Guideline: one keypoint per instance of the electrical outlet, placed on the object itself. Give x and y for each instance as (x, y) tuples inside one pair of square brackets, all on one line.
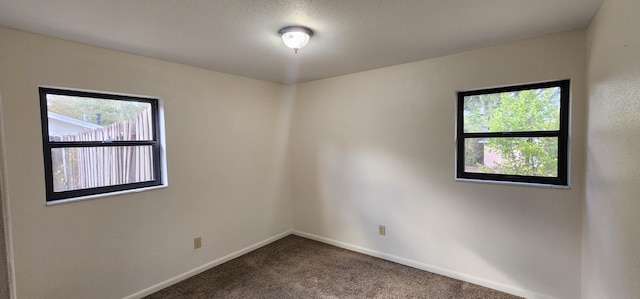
[(197, 243), (382, 230)]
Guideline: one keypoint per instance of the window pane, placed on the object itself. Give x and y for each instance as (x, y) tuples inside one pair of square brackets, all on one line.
[(530, 156), (515, 111), (74, 118), (89, 167)]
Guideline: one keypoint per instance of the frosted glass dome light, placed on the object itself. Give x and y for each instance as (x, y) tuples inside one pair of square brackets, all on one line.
[(295, 37)]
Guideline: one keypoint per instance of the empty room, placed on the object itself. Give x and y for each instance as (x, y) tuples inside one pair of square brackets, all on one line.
[(320, 149)]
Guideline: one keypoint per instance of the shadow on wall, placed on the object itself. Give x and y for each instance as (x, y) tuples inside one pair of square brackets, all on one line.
[(4, 270), (462, 227), (279, 173)]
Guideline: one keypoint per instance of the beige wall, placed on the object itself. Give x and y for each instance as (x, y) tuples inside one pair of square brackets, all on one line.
[(225, 156), (377, 147), (612, 211)]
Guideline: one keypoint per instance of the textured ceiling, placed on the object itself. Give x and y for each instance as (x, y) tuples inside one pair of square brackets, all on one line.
[(241, 36)]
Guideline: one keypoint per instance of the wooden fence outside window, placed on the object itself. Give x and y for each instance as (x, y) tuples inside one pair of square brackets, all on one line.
[(89, 167)]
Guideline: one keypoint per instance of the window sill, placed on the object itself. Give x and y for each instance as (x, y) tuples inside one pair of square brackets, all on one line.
[(96, 196), (514, 183)]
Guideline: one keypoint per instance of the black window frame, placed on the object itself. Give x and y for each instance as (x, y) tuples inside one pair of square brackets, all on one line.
[(562, 179), (48, 145)]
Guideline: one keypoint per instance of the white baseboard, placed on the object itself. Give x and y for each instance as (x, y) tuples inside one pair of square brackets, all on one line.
[(205, 267), (411, 263), (431, 268)]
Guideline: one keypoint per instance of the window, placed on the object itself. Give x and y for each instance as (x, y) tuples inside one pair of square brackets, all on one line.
[(514, 134), (98, 143)]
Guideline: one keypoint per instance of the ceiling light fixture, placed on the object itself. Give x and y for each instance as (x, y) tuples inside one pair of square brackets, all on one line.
[(295, 37)]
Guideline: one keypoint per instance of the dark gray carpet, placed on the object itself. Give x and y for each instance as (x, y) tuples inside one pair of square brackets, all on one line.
[(295, 267)]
